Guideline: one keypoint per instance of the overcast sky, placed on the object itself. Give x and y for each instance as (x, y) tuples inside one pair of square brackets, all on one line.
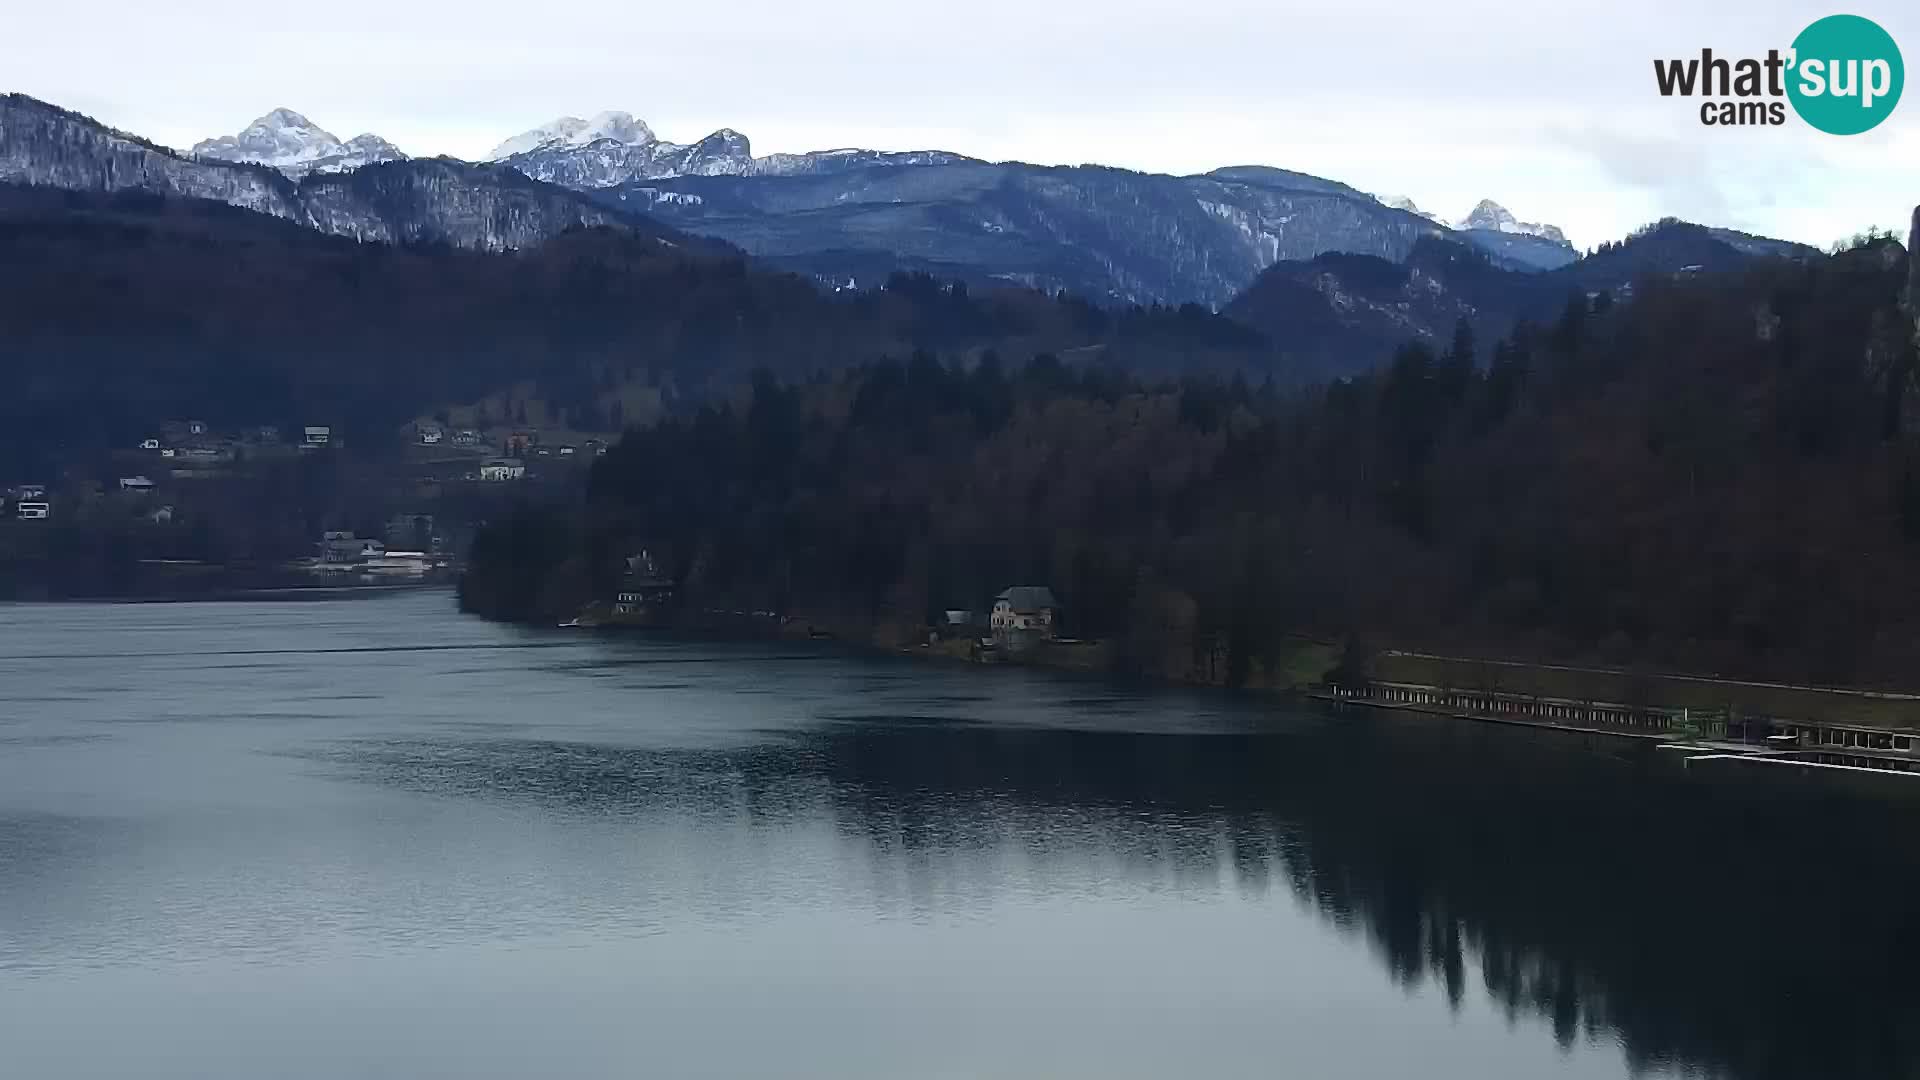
[(1547, 107)]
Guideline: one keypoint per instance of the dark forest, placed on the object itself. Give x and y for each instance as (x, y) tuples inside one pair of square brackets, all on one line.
[(1721, 473)]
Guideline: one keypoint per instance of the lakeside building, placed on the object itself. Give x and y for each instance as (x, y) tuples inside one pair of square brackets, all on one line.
[(1023, 617), (343, 547), (644, 588)]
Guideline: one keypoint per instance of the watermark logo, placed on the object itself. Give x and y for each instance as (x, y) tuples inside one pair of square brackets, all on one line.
[(1849, 75), (1843, 75)]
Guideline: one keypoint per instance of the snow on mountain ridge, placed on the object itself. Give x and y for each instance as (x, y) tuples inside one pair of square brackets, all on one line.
[(607, 149), (614, 148), (288, 141), (1401, 202), (435, 200), (611, 149), (370, 143), (571, 131), (1490, 215)]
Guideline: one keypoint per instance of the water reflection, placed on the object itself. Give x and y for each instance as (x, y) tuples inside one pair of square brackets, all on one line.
[(1707, 926), (175, 816)]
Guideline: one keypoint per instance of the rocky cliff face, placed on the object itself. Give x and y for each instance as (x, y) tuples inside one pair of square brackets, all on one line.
[(606, 162), (1913, 274), (45, 145), (445, 201), (436, 200)]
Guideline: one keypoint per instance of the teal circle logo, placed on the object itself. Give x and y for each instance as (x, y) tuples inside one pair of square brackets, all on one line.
[(1846, 75)]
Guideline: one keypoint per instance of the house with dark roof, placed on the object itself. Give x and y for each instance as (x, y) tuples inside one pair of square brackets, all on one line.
[(645, 589), (1023, 616)]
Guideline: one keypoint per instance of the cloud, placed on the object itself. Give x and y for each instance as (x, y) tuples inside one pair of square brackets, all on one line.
[(1679, 174)]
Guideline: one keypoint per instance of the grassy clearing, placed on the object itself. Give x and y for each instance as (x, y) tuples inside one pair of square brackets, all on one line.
[(1301, 662)]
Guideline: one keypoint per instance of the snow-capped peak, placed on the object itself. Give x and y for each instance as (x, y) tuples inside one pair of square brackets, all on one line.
[(295, 145), (372, 145), (571, 131), (281, 137), (1401, 202), (1492, 216), (285, 119)]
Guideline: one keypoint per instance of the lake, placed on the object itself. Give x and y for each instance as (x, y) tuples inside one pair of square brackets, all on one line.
[(376, 838)]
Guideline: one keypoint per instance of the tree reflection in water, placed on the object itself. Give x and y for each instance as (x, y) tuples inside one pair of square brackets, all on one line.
[(1719, 926)]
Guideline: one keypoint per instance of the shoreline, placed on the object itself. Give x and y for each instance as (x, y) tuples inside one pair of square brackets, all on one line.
[(1827, 745), (1808, 746), (1644, 733), (241, 593), (1824, 746)]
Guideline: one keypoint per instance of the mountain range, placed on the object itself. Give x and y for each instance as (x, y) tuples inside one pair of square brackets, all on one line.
[(133, 291), (1329, 273), (1486, 216), (432, 200), (614, 148), (851, 216)]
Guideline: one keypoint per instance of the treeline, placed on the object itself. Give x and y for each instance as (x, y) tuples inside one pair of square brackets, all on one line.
[(1721, 475), (124, 311)]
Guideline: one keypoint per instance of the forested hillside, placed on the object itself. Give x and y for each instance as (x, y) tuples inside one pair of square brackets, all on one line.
[(1722, 474), (124, 311), (1340, 313)]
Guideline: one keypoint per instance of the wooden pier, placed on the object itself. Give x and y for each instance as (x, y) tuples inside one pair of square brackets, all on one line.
[(1587, 717), (1711, 739)]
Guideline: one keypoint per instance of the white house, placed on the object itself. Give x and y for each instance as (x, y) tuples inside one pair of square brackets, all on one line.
[(1027, 609), (1022, 618), (139, 485), (31, 510), (149, 444), (503, 469), (316, 436)]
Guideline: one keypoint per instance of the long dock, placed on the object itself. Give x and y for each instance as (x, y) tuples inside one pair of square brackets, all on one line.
[(1709, 739), (1438, 708)]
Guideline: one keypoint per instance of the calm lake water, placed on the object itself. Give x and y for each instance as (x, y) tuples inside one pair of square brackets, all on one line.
[(375, 838)]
